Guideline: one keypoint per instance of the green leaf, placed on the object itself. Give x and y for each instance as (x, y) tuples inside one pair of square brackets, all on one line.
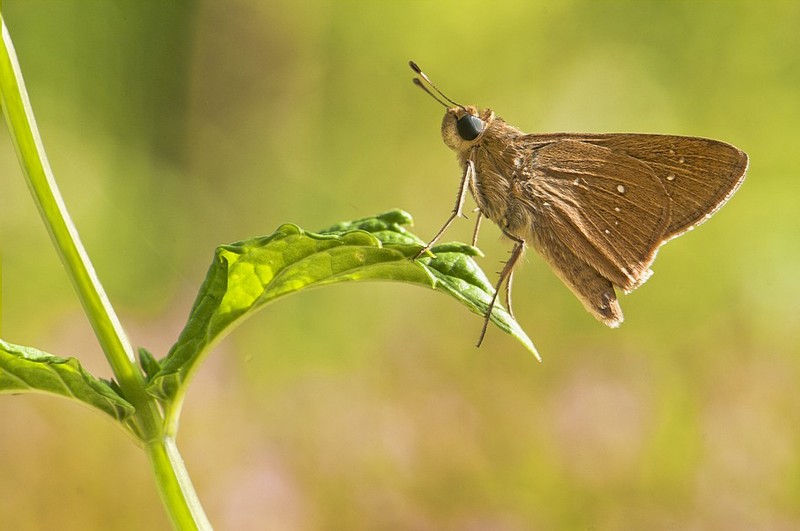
[(249, 274), (26, 369)]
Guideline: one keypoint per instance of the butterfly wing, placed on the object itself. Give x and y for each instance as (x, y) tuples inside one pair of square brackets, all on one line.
[(699, 174), (591, 287), (608, 208)]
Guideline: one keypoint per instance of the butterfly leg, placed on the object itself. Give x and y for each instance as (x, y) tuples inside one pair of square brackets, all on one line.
[(505, 275), (458, 210), (508, 293), (477, 227)]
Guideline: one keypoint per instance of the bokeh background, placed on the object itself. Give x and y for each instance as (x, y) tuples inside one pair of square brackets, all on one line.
[(174, 127)]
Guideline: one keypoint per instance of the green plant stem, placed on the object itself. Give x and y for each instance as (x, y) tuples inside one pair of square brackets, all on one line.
[(175, 486), (42, 185), (173, 481)]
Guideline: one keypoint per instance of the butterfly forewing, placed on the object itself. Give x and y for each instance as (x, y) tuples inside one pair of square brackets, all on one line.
[(699, 174), (609, 208)]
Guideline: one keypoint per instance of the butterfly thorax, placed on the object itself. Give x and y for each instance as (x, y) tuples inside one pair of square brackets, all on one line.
[(500, 163)]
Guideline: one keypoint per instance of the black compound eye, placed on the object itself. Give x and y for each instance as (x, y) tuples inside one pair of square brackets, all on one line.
[(469, 127)]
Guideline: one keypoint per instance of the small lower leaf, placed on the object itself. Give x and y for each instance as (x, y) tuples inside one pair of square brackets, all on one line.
[(148, 362), (26, 369), (249, 274)]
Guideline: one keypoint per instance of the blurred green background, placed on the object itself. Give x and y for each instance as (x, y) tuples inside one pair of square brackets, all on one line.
[(174, 127)]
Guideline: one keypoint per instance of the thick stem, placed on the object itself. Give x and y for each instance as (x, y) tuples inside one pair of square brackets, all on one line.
[(175, 486), (28, 144), (176, 490)]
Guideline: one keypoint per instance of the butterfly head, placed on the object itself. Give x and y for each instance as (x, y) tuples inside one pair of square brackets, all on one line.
[(462, 126)]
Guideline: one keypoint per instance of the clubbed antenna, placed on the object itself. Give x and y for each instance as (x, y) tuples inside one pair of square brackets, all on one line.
[(415, 67)]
